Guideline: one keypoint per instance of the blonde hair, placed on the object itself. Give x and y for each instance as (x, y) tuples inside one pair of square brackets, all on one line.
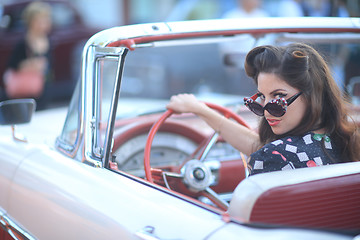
[(34, 9)]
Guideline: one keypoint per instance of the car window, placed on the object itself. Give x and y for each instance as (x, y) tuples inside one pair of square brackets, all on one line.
[(106, 73), (70, 131)]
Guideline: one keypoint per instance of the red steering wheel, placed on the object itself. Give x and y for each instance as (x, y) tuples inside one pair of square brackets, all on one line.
[(195, 174)]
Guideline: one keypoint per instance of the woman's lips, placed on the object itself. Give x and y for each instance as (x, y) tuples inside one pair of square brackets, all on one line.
[(273, 122)]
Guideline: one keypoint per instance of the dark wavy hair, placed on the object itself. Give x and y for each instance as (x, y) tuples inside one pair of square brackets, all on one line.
[(303, 68)]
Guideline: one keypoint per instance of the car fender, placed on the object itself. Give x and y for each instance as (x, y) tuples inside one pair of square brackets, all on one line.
[(77, 201)]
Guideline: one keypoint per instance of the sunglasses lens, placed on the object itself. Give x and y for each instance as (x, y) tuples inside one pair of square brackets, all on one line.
[(275, 109), (256, 108)]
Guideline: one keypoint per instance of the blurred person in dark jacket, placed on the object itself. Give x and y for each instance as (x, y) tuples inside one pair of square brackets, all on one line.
[(32, 54)]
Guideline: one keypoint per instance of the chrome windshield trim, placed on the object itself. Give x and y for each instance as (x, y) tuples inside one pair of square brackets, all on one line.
[(13, 229), (90, 101), (113, 108), (223, 27), (88, 82)]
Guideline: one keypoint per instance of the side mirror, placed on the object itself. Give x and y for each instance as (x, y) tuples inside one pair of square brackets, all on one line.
[(16, 111)]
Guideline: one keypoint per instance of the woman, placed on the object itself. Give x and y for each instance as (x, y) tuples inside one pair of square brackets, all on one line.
[(32, 53), (304, 118)]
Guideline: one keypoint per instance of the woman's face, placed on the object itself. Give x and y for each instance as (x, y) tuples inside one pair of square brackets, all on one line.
[(271, 87), (41, 24)]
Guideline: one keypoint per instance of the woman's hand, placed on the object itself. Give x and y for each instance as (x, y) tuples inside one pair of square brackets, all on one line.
[(185, 103)]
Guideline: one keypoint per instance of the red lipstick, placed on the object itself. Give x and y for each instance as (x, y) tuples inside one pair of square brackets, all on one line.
[(273, 122)]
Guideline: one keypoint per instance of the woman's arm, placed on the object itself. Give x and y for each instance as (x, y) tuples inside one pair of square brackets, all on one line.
[(240, 137)]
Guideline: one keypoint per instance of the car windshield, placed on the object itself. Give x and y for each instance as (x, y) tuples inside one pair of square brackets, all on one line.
[(212, 69), (207, 69)]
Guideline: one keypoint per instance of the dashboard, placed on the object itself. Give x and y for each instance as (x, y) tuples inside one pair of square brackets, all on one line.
[(168, 149)]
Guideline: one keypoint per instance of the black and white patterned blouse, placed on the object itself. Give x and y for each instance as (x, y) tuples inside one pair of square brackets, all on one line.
[(294, 152)]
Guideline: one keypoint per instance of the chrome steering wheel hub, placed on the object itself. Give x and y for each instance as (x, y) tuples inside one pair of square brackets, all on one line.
[(196, 175)]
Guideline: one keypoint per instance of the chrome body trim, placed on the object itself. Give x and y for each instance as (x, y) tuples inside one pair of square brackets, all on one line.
[(13, 229), (113, 107)]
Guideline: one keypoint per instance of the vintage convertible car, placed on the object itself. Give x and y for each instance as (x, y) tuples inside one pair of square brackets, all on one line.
[(115, 166)]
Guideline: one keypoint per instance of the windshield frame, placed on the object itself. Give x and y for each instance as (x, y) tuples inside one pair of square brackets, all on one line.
[(115, 43)]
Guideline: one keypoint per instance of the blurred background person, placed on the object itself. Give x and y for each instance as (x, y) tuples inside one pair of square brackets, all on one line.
[(291, 8), (339, 9), (326, 8), (246, 9), (30, 62)]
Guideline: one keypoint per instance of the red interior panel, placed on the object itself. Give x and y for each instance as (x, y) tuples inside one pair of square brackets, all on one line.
[(328, 203)]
